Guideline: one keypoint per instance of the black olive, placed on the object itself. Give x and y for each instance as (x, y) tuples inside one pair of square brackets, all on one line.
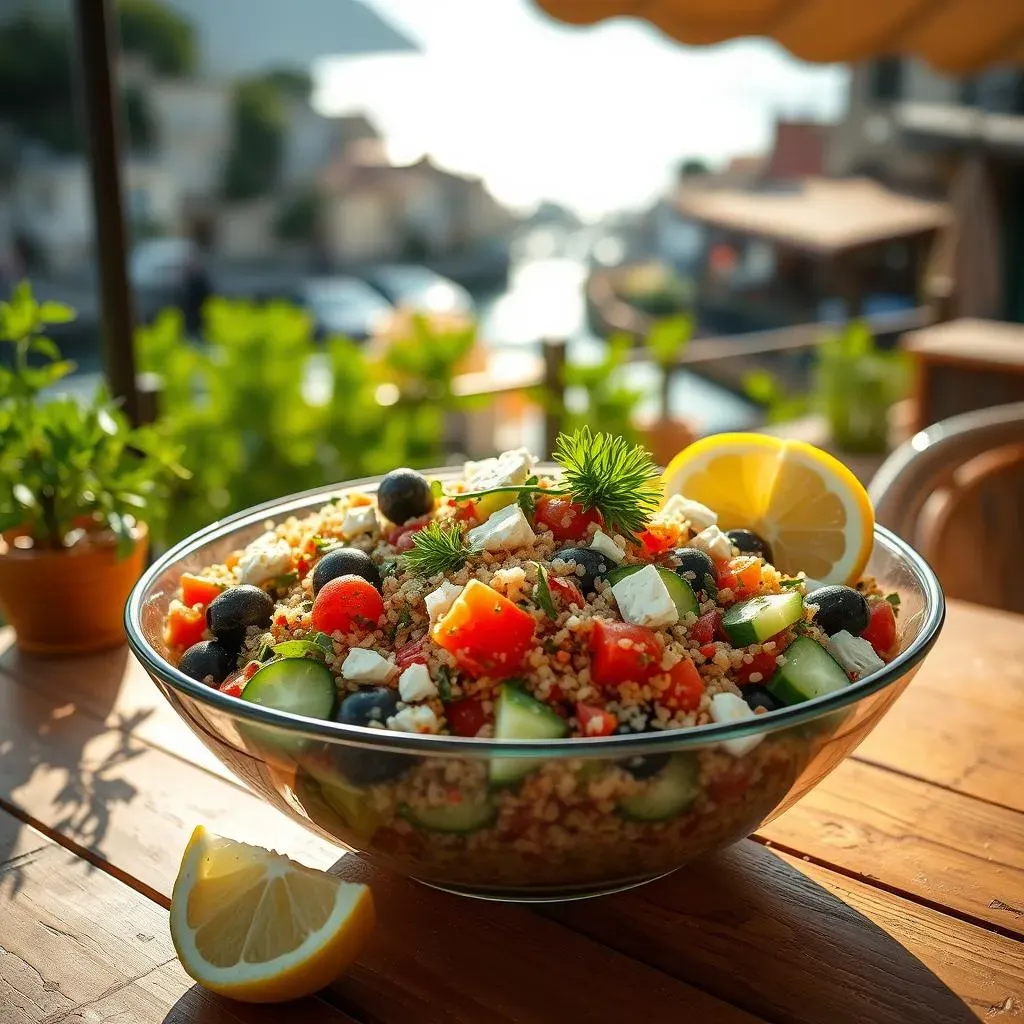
[(344, 562), (363, 765), (207, 658), (595, 566), (695, 566), (231, 613), (840, 608), (643, 766), (746, 542), (404, 494), (761, 697)]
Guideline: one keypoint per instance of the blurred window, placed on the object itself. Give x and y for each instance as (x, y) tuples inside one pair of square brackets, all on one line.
[(886, 79)]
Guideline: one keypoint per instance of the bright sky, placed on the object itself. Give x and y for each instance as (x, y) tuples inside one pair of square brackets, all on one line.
[(594, 118)]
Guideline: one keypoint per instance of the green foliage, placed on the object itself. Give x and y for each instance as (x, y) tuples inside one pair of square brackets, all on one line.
[(139, 118), (666, 341), (290, 82), (692, 165), (764, 389), (254, 163), (158, 33), (609, 404), (67, 465), (298, 217)]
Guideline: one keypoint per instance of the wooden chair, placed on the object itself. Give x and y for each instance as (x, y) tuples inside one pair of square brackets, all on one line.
[(956, 492)]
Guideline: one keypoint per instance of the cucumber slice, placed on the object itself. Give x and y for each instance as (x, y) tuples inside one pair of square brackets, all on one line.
[(759, 618), (809, 671), (665, 795), (462, 817), (518, 716), (298, 685), (679, 590)]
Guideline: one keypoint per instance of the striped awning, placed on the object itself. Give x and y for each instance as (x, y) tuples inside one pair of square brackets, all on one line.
[(956, 36)]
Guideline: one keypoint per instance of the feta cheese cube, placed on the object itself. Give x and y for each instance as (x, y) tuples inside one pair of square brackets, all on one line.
[(712, 542), (506, 530), (439, 601), (699, 516), (360, 520), (854, 653), (511, 467), (415, 684), (603, 543), (266, 557), (727, 707), (365, 666), (644, 600), (418, 718)]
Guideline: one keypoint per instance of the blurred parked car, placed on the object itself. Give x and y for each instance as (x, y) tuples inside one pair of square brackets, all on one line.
[(419, 288), (345, 305)]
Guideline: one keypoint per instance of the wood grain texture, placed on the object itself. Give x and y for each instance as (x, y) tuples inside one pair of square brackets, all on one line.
[(79, 947)]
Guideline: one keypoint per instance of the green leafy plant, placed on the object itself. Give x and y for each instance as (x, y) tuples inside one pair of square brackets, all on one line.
[(69, 469), (608, 403), (666, 342)]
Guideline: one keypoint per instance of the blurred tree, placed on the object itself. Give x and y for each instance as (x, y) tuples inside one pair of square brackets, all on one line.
[(254, 163), (290, 83), (164, 37), (298, 217), (139, 116), (692, 165)]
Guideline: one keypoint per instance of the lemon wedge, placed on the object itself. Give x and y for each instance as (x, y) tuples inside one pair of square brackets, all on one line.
[(811, 509), (255, 926)]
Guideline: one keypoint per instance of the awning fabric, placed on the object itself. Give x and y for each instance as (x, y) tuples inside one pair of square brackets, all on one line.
[(956, 36)]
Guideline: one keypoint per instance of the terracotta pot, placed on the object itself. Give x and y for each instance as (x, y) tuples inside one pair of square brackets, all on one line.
[(69, 602), (665, 438)]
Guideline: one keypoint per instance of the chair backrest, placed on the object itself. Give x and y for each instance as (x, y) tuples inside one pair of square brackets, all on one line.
[(956, 492)]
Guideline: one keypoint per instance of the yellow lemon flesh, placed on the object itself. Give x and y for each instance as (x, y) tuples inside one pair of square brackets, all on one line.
[(811, 509), (255, 926)]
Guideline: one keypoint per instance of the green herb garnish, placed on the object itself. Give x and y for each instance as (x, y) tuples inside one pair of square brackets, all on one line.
[(790, 584), (444, 684), (436, 549), (893, 599), (542, 593), (404, 618), (437, 489), (388, 568), (325, 544)]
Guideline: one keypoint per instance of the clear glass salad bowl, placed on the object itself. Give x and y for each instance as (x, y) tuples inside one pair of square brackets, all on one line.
[(578, 842)]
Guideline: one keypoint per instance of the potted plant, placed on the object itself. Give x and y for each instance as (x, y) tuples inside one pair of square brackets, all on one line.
[(76, 485)]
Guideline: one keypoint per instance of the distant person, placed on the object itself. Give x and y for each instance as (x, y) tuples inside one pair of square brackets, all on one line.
[(195, 289)]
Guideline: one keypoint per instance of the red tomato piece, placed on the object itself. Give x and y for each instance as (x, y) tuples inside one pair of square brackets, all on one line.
[(708, 650), (623, 652), (466, 717), (185, 626), (763, 663), (706, 628), (685, 687), (658, 538), (465, 511), (250, 670), (595, 721), (740, 575), (566, 590), (346, 602), (564, 518), (486, 632), (404, 540), (233, 685), (881, 628), (410, 654), (198, 590)]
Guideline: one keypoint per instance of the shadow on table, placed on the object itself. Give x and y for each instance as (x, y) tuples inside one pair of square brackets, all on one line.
[(43, 745), (197, 1006)]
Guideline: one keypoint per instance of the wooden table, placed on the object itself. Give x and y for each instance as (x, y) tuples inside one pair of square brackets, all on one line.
[(892, 893)]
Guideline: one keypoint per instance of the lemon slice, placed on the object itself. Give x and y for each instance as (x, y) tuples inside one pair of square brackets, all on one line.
[(809, 507), (256, 926)]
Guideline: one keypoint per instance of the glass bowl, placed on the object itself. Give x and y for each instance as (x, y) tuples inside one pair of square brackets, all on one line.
[(421, 804)]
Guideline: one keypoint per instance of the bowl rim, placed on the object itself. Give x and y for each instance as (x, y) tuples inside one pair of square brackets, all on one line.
[(627, 745)]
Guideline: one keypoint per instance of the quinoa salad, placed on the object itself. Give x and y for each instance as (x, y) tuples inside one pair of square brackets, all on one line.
[(514, 604)]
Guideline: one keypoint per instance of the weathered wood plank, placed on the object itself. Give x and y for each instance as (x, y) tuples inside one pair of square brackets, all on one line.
[(78, 947)]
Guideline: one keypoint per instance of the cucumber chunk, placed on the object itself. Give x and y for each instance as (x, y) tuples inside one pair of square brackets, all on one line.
[(665, 795), (679, 590), (758, 618), (462, 817), (809, 671), (518, 716), (300, 686)]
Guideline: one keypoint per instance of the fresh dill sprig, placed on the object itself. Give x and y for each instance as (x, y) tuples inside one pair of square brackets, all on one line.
[(436, 549), (607, 473)]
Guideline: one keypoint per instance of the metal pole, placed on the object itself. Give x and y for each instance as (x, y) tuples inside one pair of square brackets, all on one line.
[(97, 51)]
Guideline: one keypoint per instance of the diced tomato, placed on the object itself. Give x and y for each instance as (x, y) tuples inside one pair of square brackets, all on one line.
[(658, 538), (466, 717), (740, 575), (881, 629), (685, 687), (404, 540), (410, 654), (233, 685), (395, 533), (346, 602), (358, 500), (565, 590), (564, 518), (198, 590), (706, 628), (486, 632), (763, 663), (595, 721), (250, 670), (465, 511), (232, 560), (623, 652), (185, 626), (302, 567), (708, 650)]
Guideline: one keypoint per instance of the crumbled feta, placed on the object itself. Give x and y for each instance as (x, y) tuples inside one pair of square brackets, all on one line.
[(365, 666), (854, 653), (712, 542), (439, 601), (359, 520), (727, 707), (507, 529), (415, 684), (266, 557), (419, 718), (603, 543), (699, 516), (644, 600), (511, 467)]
